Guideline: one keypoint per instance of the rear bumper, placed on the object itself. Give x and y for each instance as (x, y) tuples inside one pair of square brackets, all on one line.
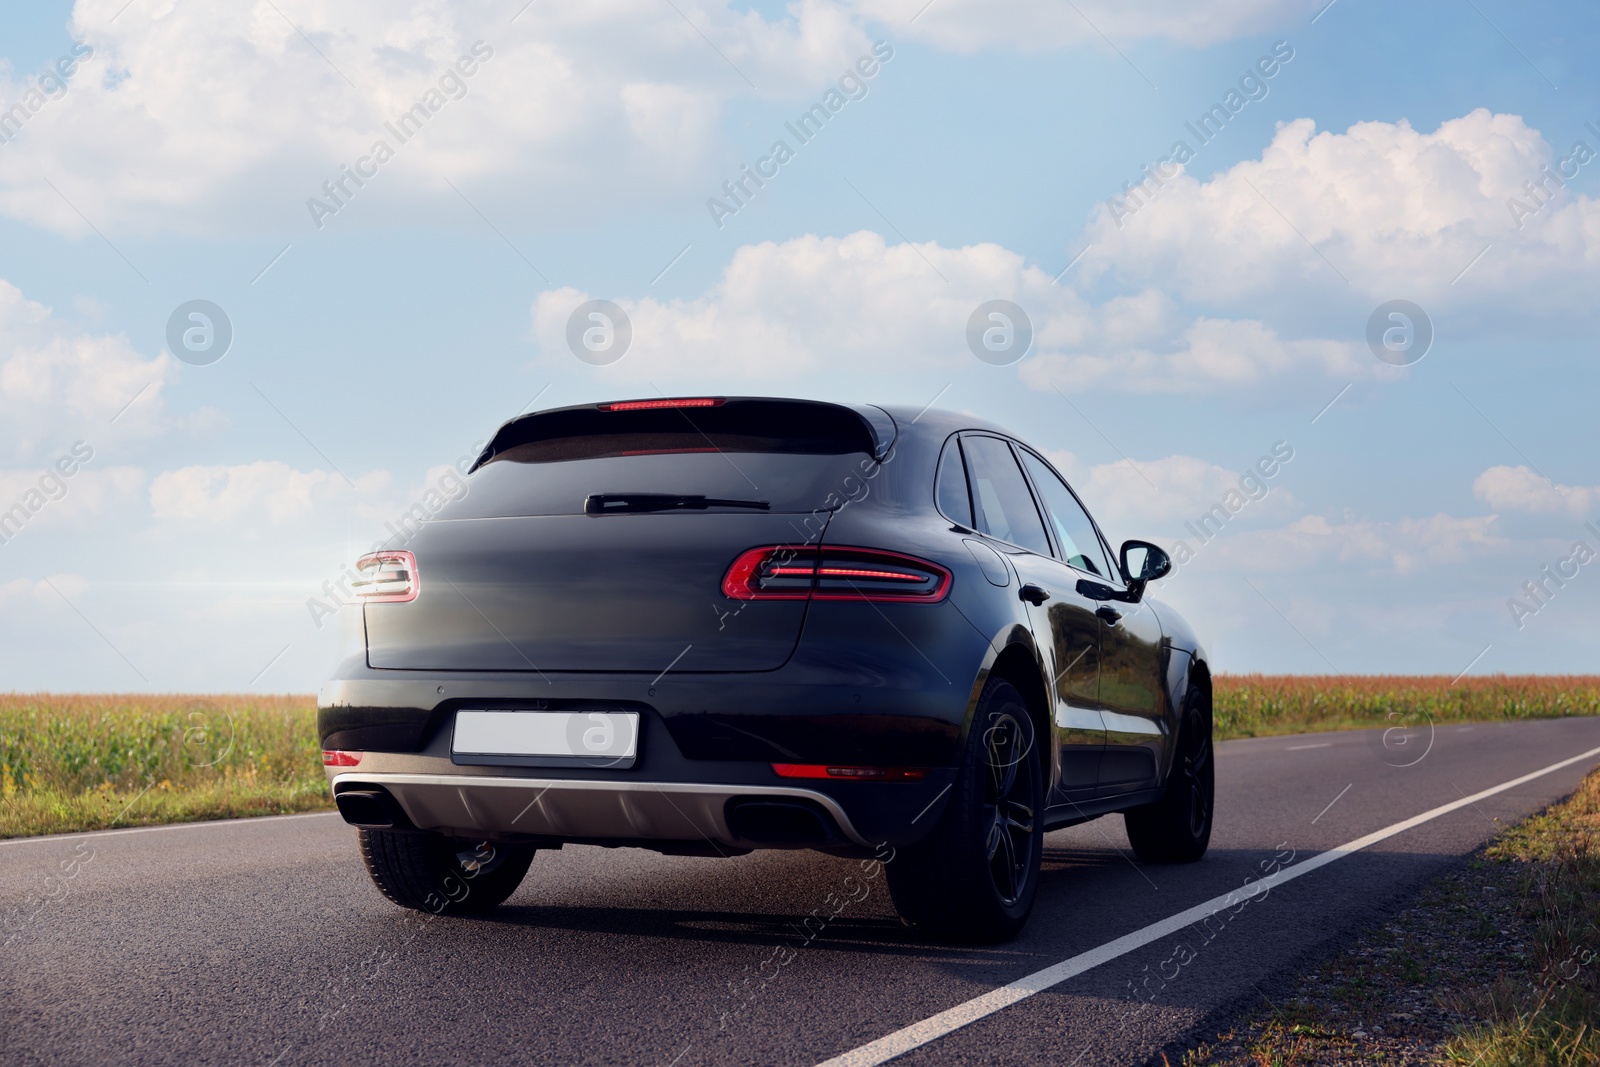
[(706, 745), (492, 806), (663, 798)]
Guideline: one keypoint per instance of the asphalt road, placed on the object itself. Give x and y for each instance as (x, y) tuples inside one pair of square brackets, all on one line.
[(262, 941)]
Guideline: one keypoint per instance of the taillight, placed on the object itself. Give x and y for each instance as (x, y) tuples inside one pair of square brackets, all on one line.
[(807, 572), (333, 757), (386, 578), (859, 774), (656, 405)]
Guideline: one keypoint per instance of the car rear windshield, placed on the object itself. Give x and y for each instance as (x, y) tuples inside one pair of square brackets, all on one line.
[(793, 456)]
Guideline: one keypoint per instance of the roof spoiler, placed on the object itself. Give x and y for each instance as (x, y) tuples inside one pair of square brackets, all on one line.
[(876, 426)]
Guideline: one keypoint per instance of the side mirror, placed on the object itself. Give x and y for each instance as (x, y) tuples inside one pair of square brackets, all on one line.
[(1141, 563)]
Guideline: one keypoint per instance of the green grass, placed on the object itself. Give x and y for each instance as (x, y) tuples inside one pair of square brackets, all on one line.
[(70, 763)]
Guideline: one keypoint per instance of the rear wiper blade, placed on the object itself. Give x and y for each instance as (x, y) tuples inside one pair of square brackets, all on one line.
[(617, 503)]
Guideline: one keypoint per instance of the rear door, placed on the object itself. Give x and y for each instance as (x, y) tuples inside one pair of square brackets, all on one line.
[(598, 539), (1132, 696), (1064, 623), (1131, 667)]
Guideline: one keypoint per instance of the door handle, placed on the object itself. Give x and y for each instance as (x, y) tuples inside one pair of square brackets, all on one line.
[(1110, 614), (1034, 594)]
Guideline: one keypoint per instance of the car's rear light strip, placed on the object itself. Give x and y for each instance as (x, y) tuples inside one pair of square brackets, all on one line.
[(807, 572), (849, 773), (656, 405), (387, 577), (848, 572), (334, 757)]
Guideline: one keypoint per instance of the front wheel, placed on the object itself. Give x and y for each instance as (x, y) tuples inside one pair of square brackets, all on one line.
[(433, 873), (1177, 828), (974, 878)]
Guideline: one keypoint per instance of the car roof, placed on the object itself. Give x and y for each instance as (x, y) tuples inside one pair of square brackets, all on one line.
[(928, 422)]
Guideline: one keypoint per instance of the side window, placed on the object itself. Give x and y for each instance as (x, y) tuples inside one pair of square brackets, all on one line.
[(1080, 546), (950, 487), (1001, 501)]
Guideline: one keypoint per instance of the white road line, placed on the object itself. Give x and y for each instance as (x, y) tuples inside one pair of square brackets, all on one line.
[(1301, 748), (170, 826), (931, 1029), (1336, 800)]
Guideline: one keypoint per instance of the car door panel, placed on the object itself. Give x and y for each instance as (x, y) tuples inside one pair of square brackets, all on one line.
[(1074, 665), (1064, 624), (1068, 635), (1132, 697), (1130, 693)]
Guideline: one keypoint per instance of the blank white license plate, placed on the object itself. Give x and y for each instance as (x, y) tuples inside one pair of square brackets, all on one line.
[(603, 738)]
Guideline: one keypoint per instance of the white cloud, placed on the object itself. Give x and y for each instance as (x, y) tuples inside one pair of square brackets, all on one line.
[(1521, 489), (215, 115), (810, 303), (1152, 499), (1395, 210), (227, 116), (1402, 546), (47, 497), (251, 493), (1164, 500), (858, 303), (55, 381), (1038, 25), (1207, 353), (47, 592), (1392, 209), (221, 117)]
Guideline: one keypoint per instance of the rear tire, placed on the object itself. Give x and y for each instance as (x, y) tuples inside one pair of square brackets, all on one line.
[(974, 879), (1177, 828), (434, 873)]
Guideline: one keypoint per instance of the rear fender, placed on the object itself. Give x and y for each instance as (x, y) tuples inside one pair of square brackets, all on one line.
[(1183, 670), (1015, 656)]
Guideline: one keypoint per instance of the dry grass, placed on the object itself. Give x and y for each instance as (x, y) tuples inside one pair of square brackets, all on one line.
[(1548, 1016), (71, 762)]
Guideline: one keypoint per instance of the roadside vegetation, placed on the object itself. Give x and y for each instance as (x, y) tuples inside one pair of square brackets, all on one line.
[(1256, 705), (1547, 1014), (70, 762)]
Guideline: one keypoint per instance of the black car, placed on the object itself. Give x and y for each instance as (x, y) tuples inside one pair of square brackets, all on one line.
[(710, 625)]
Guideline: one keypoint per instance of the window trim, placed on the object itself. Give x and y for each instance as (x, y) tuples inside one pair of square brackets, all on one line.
[(1055, 547), (1032, 493), (952, 445)]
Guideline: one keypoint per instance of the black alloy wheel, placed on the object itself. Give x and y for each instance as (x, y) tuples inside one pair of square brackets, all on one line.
[(1177, 828), (973, 879), (1011, 787)]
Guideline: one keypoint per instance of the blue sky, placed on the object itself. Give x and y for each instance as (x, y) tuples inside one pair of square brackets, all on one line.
[(1219, 319)]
